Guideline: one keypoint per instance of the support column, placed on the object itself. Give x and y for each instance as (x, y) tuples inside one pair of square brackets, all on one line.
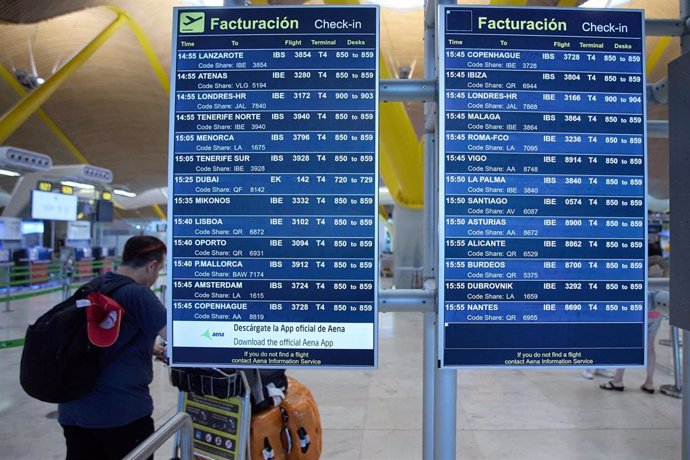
[(445, 392), (685, 417), (430, 234)]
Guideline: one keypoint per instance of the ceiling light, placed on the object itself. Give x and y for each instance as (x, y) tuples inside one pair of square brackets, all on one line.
[(206, 2), (27, 80), (6, 172), (77, 185), (603, 3), (397, 4), (124, 193)]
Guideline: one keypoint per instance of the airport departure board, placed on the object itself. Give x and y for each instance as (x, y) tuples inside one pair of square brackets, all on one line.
[(273, 174), (542, 187)]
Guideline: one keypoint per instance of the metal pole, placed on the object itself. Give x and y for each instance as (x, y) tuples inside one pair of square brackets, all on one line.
[(445, 405), (657, 129), (407, 300), (164, 290), (677, 363), (410, 90), (181, 422), (676, 389), (9, 286), (52, 235), (66, 282), (428, 385), (429, 238), (685, 18), (658, 284), (685, 449), (685, 427), (665, 27)]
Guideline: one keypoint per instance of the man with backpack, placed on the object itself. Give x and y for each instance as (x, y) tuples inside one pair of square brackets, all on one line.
[(115, 416)]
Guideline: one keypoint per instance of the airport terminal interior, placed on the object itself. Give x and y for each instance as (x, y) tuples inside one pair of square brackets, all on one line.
[(85, 118)]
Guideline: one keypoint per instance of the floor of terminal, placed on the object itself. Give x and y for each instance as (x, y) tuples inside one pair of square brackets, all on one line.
[(377, 414)]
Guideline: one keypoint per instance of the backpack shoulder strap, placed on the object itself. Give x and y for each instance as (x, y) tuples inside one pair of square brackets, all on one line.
[(96, 284), (114, 286), (84, 289)]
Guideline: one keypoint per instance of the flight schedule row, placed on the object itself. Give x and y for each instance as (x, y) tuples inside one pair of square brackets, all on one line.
[(554, 312), (543, 122), (512, 225), (267, 99), (277, 205), (287, 58), (340, 139), (592, 164), (579, 268), (552, 206), (262, 183), (278, 310), (530, 184), (543, 248), (257, 225), (250, 244), (520, 290), (608, 82), (274, 268), (270, 120), (260, 161), (534, 59), (544, 101), (575, 142), (350, 79)]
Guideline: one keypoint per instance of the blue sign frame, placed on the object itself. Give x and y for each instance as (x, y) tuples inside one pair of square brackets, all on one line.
[(273, 185), (542, 178)]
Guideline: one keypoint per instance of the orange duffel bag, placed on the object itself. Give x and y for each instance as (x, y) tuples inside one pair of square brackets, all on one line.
[(289, 431)]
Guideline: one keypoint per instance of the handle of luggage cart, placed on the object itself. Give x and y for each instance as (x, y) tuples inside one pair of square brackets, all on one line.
[(222, 384)]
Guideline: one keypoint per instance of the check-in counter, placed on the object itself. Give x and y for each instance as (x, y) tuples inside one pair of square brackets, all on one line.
[(84, 263), (35, 263), (6, 265), (104, 259)]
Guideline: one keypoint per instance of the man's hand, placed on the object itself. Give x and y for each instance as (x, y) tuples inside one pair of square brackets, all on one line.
[(159, 349)]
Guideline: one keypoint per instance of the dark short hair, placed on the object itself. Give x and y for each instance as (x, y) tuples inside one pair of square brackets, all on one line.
[(142, 249)]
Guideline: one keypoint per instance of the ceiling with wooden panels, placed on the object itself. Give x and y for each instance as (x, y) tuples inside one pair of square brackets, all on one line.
[(113, 111)]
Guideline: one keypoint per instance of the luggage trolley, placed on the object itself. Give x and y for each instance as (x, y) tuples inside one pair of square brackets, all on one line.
[(218, 400)]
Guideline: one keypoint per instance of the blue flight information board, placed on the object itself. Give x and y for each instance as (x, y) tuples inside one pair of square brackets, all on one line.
[(274, 176), (542, 187)]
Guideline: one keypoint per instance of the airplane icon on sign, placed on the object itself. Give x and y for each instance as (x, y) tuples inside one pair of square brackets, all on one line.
[(192, 22)]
